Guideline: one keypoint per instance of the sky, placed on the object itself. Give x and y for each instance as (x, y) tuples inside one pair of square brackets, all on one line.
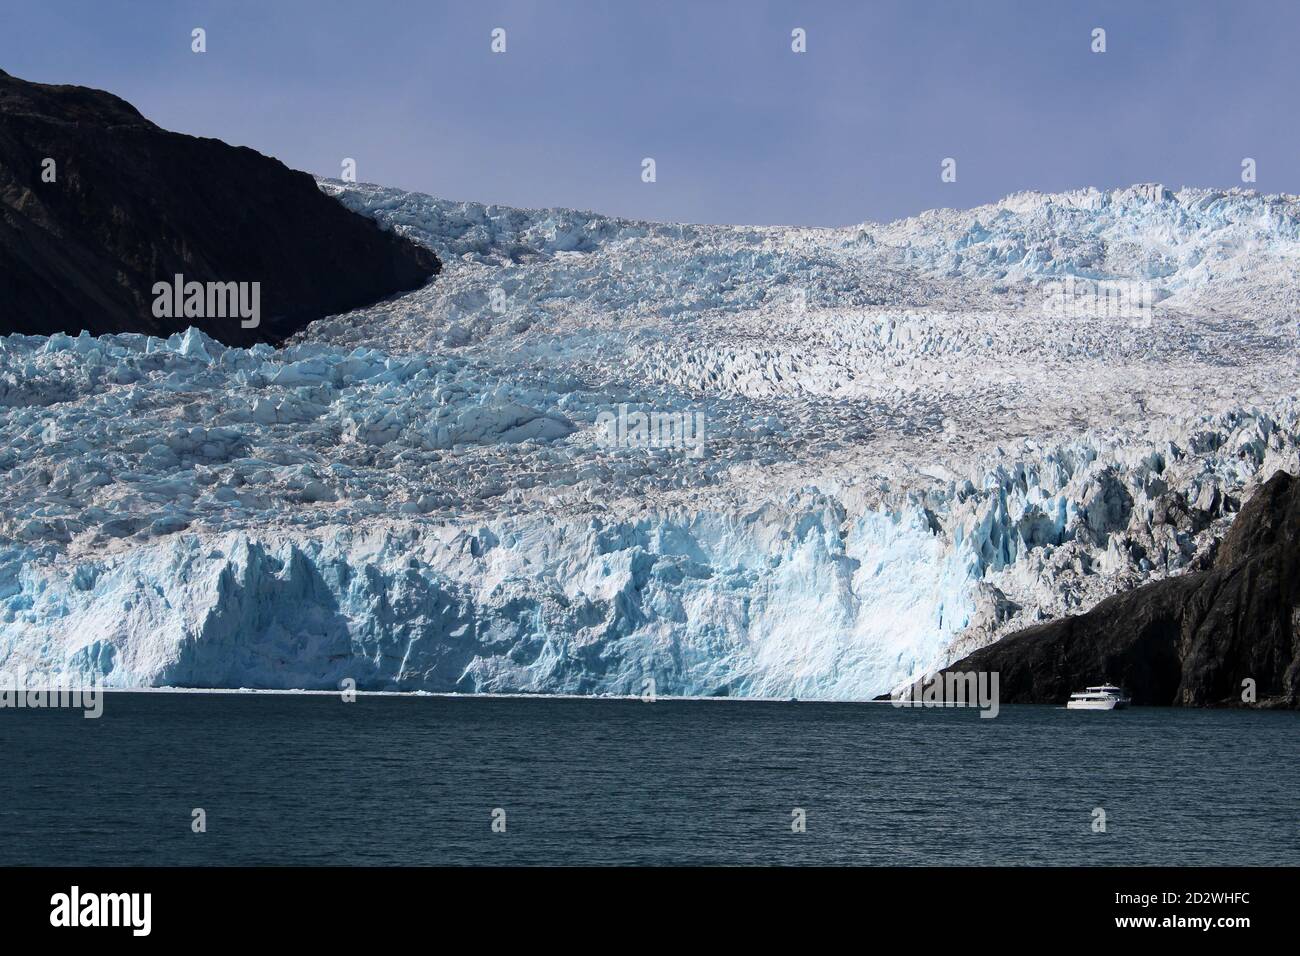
[(742, 129)]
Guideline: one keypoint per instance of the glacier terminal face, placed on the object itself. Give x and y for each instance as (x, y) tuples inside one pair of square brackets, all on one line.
[(904, 450)]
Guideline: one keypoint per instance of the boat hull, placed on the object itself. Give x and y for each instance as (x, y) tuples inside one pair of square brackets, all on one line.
[(1093, 705)]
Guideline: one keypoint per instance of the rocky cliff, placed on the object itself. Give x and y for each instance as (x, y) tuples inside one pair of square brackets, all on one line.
[(1190, 640), (97, 205)]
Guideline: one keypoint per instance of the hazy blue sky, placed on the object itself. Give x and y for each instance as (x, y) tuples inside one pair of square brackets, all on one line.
[(742, 129)]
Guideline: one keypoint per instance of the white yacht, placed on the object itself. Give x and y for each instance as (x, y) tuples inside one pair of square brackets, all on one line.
[(1105, 697)]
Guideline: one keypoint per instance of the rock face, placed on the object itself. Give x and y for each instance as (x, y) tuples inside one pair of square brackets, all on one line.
[(1189, 640), (132, 204)]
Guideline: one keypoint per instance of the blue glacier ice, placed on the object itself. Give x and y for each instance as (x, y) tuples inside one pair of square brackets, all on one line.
[(904, 456)]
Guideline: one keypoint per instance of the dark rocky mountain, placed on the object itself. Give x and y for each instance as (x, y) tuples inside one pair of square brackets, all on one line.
[(133, 204), (1189, 640)]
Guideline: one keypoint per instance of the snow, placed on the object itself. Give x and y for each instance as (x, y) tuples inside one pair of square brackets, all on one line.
[(905, 456)]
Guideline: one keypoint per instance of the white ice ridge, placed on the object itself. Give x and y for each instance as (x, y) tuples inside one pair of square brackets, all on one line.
[(905, 455)]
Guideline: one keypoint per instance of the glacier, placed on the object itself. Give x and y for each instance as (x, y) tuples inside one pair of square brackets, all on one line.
[(906, 455)]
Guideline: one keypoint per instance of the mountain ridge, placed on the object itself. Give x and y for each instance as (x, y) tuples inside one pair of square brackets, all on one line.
[(131, 205)]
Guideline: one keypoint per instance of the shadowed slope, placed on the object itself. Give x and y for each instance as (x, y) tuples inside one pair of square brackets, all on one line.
[(133, 204)]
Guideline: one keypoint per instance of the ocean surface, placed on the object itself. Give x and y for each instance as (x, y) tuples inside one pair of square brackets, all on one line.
[(307, 779)]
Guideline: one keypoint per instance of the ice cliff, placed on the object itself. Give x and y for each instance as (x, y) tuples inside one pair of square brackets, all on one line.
[(905, 454)]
